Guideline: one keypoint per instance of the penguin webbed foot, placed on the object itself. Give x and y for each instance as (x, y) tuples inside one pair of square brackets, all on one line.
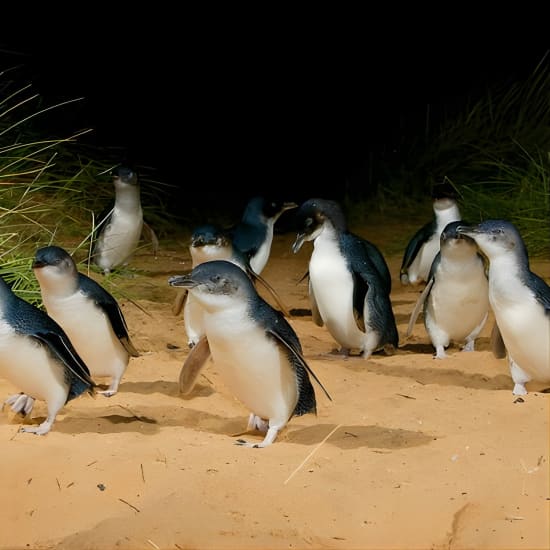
[(20, 403), (439, 353), (107, 393), (519, 389), (268, 440), (41, 429), (468, 346)]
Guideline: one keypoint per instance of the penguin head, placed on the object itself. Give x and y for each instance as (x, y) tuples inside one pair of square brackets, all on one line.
[(52, 265), (451, 239), (495, 238), (209, 235), (444, 196), (265, 209), (311, 218), (124, 175), (216, 284)]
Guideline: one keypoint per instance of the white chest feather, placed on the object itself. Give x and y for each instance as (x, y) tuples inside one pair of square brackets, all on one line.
[(29, 367), (332, 285), (521, 319), (420, 267), (120, 237), (90, 332), (259, 261), (253, 367), (459, 299)]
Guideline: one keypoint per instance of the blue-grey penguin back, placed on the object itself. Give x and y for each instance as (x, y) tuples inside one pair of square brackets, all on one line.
[(27, 319), (369, 285)]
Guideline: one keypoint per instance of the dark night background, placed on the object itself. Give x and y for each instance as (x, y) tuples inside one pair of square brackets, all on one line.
[(224, 114)]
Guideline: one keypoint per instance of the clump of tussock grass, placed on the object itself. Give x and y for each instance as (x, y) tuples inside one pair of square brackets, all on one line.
[(51, 190), (494, 149)]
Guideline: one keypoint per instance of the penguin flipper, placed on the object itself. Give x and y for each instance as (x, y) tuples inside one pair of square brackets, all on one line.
[(497, 343), (315, 315), (197, 358), (111, 308), (149, 234), (419, 305), (179, 301), (297, 354), (61, 346)]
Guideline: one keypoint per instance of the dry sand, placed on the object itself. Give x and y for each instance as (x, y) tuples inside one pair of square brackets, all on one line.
[(411, 453)]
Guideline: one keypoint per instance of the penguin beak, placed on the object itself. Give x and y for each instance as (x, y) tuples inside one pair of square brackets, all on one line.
[(467, 230), (184, 281), (36, 264), (289, 206), (298, 242)]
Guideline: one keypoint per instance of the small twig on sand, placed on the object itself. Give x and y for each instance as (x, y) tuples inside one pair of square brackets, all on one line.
[(142, 473), (128, 504), (153, 544), (310, 455)]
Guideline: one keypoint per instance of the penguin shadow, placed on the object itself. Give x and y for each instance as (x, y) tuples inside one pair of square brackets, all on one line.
[(438, 374), (146, 420), (356, 436), (146, 387)]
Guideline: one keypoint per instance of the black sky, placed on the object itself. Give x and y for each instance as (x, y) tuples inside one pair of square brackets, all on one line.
[(225, 112)]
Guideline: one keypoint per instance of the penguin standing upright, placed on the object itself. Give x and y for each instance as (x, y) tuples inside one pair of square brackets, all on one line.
[(349, 280), (37, 356), (424, 245), (121, 224), (519, 298), (256, 351), (90, 316), (253, 235), (456, 298), (208, 243)]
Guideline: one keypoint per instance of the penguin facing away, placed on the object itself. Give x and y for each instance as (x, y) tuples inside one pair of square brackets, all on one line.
[(519, 298), (253, 235), (255, 349), (90, 315), (349, 281), (37, 356), (455, 300), (424, 244), (121, 224)]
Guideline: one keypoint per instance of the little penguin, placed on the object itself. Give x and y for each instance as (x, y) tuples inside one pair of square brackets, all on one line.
[(349, 280), (121, 224), (519, 298), (37, 356), (253, 235), (254, 347), (208, 243), (455, 300), (424, 245), (90, 315)]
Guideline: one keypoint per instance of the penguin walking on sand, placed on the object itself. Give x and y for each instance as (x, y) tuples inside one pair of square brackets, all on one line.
[(253, 235), (208, 243), (349, 281), (255, 349), (37, 356), (90, 316), (121, 224), (424, 245), (519, 298), (455, 300)]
